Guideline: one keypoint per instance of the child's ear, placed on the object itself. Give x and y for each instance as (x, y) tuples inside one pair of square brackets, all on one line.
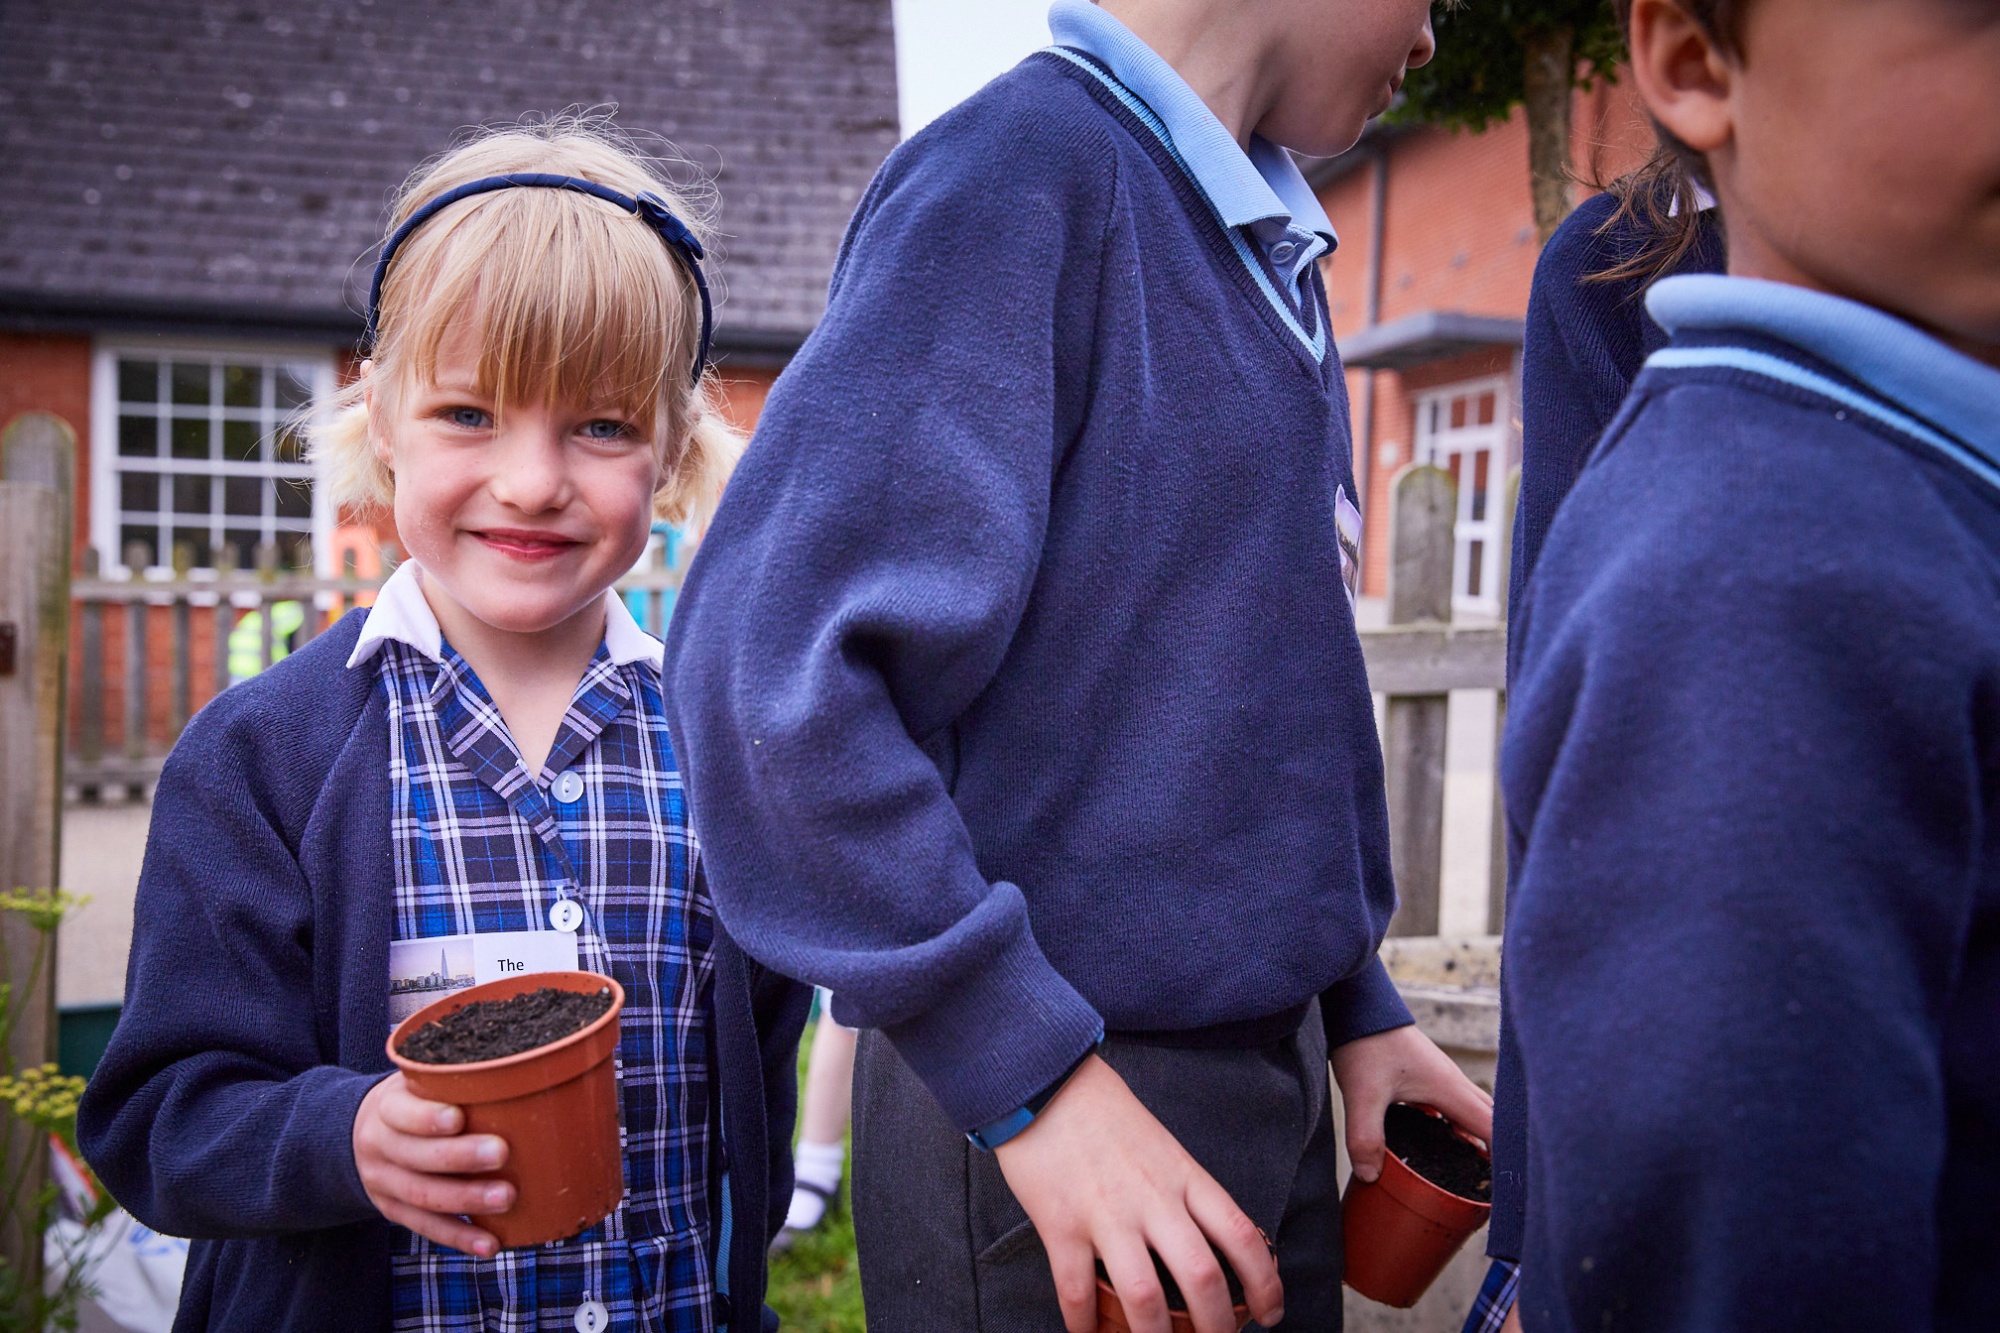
[(1686, 80)]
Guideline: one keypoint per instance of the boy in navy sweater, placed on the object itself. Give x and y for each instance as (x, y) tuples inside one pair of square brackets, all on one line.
[(1754, 952), (1020, 696)]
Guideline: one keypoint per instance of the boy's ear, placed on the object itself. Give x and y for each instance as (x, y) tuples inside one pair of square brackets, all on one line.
[(1686, 80)]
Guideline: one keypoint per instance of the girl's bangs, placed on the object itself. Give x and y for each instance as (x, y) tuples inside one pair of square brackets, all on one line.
[(570, 300)]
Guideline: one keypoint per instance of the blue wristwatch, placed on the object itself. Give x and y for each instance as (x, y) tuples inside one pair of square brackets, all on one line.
[(996, 1132)]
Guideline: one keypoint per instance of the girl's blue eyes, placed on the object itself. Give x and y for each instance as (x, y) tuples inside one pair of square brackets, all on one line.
[(473, 418)]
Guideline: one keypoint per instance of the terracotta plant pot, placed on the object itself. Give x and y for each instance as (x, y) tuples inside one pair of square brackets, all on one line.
[(1111, 1313), (556, 1106), (1402, 1230)]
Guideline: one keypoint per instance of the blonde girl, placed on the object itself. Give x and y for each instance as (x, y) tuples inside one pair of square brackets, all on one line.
[(476, 767)]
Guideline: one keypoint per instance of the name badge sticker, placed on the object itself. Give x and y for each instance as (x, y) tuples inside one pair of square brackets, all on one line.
[(421, 971), (1347, 522)]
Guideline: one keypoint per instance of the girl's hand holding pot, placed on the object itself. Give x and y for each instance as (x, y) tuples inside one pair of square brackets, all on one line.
[(415, 1159)]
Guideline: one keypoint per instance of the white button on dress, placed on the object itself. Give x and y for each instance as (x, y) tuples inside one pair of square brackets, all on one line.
[(592, 1317), (568, 786), (566, 915)]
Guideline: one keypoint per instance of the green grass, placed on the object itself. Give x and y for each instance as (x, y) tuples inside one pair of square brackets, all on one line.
[(816, 1285)]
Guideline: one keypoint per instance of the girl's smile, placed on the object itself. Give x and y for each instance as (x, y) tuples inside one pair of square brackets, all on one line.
[(527, 544)]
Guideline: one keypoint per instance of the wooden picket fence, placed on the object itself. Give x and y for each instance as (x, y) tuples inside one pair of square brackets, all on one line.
[(149, 652), (1415, 663)]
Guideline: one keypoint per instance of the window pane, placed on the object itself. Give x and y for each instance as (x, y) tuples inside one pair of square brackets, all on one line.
[(139, 490), (289, 447), (1454, 467), (1480, 463), (139, 437), (148, 537), (297, 551), (1457, 413), (240, 440), (192, 495), (1485, 409), (242, 386), (1475, 558), (294, 498), (190, 439), (191, 383), (138, 381), (196, 540), (243, 495), (293, 392), (244, 542)]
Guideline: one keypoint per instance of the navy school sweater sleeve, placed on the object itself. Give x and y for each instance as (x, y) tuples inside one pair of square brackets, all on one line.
[(1586, 342), (1753, 955), (1015, 682)]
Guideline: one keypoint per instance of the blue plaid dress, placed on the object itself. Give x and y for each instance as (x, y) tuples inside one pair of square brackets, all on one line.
[(482, 846)]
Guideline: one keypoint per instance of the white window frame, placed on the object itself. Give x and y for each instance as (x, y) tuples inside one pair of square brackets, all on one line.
[(106, 464), (1436, 441)]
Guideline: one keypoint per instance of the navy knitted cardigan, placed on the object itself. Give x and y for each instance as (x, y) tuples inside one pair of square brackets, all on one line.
[(1752, 765), (256, 1012), (1015, 683), (1586, 341)]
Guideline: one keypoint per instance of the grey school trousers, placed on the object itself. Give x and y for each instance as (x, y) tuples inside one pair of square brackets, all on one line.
[(944, 1247)]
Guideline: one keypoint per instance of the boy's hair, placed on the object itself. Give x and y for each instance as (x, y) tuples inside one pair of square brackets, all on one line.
[(575, 301), (1661, 194)]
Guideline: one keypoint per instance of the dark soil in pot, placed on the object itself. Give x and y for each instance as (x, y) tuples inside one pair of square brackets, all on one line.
[(1428, 1147), (494, 1029)]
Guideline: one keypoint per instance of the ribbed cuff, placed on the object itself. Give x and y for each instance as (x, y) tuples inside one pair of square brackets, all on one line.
[(1362, 1005), (1001, 1034)]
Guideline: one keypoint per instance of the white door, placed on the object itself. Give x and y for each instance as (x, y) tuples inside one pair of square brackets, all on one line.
[(1464, 429)]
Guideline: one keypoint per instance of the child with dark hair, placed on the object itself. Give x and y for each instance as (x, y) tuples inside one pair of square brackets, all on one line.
[(1754, 949)]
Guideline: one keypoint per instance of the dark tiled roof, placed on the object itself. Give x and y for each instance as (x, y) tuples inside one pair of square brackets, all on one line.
[(234, 160)]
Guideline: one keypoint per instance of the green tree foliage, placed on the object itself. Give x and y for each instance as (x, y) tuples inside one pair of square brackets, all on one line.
[(1495, 55)]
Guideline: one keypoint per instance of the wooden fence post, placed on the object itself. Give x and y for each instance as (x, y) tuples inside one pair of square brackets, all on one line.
[(1423, 507), (34, 661)]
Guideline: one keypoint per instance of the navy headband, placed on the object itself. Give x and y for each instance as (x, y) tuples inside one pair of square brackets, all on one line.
[(650, 208)]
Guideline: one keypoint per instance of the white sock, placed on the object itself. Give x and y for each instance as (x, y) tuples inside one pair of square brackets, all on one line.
[(814, 1164)]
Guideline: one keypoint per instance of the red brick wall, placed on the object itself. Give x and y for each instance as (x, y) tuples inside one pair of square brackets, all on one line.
[(1458, 235)]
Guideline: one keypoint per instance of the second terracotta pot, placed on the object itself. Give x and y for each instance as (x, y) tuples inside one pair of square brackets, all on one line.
[(1111, 1313), (556, 1106), (1402, 1230)]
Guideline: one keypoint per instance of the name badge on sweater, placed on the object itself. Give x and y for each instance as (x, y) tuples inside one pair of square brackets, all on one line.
[(421, 971), (1347, 522)]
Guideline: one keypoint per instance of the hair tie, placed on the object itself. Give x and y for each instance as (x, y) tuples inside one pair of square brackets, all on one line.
[(648, 207)]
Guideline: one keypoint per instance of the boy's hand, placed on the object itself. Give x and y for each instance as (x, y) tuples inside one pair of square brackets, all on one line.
[(1402, 1065), (1100, 1177), (414, 1156)]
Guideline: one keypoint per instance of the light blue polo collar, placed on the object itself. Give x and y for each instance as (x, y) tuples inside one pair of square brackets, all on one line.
[(1905, 366), (1262, 189)]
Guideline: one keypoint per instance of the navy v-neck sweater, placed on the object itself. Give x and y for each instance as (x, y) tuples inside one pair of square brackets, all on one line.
[(1016, 683), (1753, 958)]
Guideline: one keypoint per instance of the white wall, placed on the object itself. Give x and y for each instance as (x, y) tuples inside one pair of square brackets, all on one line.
[(947, 49)]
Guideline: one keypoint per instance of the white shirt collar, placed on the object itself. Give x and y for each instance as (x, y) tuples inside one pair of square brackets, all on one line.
[(401, 613)]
